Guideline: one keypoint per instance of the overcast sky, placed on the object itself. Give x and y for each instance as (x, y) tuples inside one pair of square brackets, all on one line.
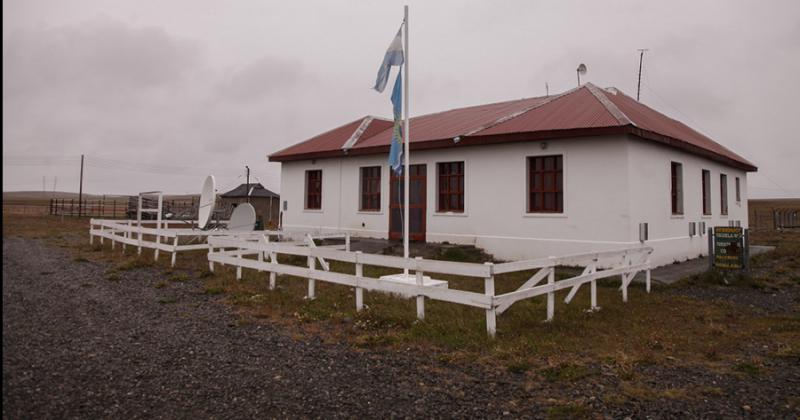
[(158, 93)]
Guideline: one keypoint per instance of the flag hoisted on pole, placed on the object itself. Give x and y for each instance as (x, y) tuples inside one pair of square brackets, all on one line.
[(397, 55)]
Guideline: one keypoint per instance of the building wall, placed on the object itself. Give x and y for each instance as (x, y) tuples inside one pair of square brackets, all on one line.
[(494, 217), (650, 191), (611, 184)]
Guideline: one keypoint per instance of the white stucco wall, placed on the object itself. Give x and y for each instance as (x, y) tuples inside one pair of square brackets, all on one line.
[(611, 184), (650, 187)]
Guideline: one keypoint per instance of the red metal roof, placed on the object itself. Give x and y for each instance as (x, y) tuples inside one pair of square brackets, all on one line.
[(584, 111)]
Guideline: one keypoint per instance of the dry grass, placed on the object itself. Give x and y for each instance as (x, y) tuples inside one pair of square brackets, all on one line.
[(650, 328)]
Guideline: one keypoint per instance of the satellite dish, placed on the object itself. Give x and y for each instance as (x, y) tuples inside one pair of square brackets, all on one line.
[(581, 70), (243, 218), (207, 200)]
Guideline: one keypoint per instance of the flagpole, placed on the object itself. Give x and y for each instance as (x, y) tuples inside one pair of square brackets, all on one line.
[(406, 154)]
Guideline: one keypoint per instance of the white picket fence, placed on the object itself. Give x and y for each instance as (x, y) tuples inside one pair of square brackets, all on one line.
[(176, 236), (626, 263)]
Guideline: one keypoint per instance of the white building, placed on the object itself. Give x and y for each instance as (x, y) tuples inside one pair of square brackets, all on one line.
[(569, 173)]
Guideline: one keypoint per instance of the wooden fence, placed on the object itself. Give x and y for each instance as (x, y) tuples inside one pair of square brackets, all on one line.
[(626, 263)]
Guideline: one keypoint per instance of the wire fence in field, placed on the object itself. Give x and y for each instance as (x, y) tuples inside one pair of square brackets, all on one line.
[(116, 208)]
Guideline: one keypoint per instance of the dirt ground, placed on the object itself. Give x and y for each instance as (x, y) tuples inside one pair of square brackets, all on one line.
[(89, 334)]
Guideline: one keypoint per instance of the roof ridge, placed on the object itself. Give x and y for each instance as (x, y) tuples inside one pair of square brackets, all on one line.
[(612, 109), (523, 111)]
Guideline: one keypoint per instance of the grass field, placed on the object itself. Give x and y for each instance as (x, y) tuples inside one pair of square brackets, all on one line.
[(700, 323)]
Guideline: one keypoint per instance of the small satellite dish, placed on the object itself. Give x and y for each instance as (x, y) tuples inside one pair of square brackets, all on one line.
[(207, 200), (581, 70), (243, 218)]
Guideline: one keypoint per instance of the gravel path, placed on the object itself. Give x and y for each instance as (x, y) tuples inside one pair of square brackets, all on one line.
[(78, 345)]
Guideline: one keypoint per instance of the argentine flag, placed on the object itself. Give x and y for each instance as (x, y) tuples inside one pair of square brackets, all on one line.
[(393, 57), (396, 149)]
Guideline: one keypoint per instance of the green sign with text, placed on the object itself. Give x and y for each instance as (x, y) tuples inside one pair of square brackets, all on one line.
[(728, 248)]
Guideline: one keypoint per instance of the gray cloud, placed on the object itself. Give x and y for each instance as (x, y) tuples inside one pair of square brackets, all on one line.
[(194, 83)]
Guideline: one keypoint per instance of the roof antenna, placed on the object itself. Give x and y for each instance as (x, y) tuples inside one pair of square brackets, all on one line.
[(581, 70), (639, 84)]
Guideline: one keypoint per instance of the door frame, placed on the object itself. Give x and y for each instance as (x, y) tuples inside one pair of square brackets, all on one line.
[(420, 236)]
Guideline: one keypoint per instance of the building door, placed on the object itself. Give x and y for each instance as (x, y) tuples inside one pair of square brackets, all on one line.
[(416, 211)]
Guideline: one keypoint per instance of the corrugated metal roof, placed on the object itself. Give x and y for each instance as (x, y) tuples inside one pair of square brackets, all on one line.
[(584, 111)]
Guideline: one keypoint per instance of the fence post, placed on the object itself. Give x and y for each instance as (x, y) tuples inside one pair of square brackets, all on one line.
[(359, 275), (273, 258), (551, 295), (238, 266), (174, 251), (746, 244), (347, 241), (420, 299), (312, 265), (210, 263), (627, 262), (710, 249), (127, 236), (491, 313), (91, 233), (594, 306)]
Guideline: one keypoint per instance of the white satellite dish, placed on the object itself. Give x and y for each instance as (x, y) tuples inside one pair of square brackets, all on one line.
[(243, 218), (207, 200)]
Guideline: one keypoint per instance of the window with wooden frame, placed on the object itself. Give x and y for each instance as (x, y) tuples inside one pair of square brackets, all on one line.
[(723, 194), (451, 187), (314, 189), (677, 188), (370, 188), (546, 184), (738, 191), (706, 192)]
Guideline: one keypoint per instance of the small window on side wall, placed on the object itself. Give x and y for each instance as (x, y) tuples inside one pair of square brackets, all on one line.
[(706, 192), (314, 189), (546, 184), (723, 194), (677, 188), (738, 191)]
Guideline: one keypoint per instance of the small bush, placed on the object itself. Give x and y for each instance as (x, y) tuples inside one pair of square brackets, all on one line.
[(179, 277)]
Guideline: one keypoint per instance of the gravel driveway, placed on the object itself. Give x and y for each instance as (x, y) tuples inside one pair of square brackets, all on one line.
[(78, 345)]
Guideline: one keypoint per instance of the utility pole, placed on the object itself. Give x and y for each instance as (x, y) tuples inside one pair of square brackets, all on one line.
[(247, 191), (80, 191), (639, 85)]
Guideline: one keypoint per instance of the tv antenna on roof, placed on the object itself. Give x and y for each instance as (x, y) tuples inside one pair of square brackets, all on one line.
[(639, 84), (581, 70)]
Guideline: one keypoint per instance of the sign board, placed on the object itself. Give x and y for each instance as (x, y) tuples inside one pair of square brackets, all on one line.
[(729, 249)]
